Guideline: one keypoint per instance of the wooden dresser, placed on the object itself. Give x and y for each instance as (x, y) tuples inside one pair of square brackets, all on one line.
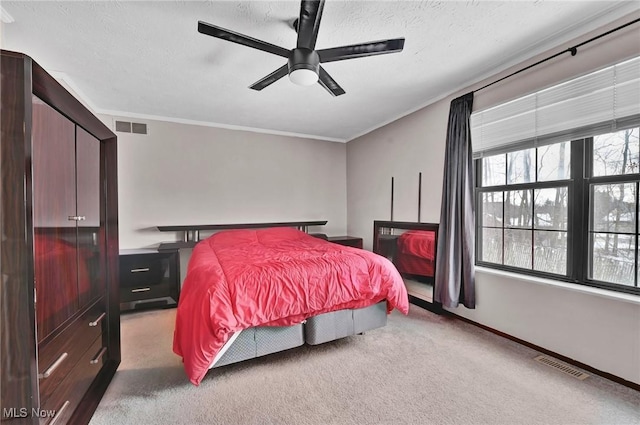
[(60, 339)]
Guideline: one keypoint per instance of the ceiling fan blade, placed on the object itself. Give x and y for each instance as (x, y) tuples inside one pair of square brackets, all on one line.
[(309, 23), (271, 78), (361, 50), (329, 83), (234, 37)]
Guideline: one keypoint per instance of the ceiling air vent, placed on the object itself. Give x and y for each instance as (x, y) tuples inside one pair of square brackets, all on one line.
[(562, 367), (131, 127)]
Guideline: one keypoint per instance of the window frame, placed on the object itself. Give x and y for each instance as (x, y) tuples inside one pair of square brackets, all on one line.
[(578, 213), (589, 180)]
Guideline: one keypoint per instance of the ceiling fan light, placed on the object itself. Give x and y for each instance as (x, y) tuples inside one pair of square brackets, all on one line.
[(303, 77)]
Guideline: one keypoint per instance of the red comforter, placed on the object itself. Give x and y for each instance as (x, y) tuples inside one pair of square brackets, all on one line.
[(239, 279)]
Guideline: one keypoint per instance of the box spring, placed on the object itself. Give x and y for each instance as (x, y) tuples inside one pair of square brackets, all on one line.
[(260, 341)]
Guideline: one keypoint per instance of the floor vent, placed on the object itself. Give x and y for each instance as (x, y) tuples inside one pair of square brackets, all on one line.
[(131, 127), (570, 370)]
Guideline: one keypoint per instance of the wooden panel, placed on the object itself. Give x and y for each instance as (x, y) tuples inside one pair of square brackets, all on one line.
[(49, 90), (54, 175), (91, 240), (18, 379), (88, 174), (109, 175), (76, 383), (74, 341), (54, 201), (240, 226)]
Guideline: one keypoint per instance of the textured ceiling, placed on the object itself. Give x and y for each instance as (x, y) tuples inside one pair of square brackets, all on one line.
[(146, 59)]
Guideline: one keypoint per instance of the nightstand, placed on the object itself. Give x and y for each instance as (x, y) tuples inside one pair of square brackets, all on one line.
[(149, 279), (347, 241)]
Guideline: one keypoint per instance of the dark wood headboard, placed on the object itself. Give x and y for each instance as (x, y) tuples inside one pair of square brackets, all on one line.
[(192, 231)]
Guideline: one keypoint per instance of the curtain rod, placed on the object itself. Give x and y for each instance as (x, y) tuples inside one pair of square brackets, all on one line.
[(573, 50)]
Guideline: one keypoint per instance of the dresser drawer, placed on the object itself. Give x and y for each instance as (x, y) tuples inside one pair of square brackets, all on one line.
[(64, 400), (136, 293), (144, 270), (58, 356)]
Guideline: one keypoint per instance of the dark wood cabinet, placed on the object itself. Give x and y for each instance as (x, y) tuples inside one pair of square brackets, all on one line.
[(346, 241), (149, 279), (59, 250)]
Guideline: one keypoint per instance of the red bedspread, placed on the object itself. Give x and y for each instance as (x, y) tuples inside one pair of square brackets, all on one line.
[(273, 277)]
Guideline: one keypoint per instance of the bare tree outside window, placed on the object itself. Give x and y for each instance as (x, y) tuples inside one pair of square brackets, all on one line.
[(613, 232), (526, 228), (616, 153), (535, 216)]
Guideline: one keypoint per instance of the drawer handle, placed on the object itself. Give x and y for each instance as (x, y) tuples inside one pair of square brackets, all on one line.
[(59, 413), (141, 290), (98, 320), (98, 356), (146, 269), (54, 366), (77, 218)]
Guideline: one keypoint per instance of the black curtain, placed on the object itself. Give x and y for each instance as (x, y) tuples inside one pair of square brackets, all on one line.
[(455, 270)]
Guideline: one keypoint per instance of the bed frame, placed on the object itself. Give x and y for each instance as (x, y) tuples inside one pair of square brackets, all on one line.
[(259, 341)]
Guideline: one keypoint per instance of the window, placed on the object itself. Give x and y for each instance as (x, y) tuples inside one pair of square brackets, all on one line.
[(523, 208), (567, 210), (558, 180), (613, 208)]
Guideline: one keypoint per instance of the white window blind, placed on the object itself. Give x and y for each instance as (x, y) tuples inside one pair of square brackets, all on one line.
[(601, 99)]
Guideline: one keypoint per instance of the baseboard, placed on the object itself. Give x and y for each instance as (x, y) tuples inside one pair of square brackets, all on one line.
[(432, 307), (565, 359)]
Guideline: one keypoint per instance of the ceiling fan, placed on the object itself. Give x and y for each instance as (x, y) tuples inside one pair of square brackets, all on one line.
[(304, 61)]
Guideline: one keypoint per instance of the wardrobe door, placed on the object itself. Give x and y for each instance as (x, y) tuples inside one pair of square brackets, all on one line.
[(54, 209), (91, 237)]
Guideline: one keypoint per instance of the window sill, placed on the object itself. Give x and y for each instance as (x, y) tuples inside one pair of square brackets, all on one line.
[(598, 292)]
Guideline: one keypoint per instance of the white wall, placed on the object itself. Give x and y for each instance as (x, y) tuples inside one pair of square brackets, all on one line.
[(401, 150), (603, 332), (187, 174), (600, 331)]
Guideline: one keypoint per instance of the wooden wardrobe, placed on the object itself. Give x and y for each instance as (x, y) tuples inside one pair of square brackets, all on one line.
[(59, 318)]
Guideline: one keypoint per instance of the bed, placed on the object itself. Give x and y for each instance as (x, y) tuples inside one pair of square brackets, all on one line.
[(252, 292), (415, 254)]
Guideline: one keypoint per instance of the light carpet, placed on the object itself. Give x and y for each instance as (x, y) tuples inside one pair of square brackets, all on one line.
[(420, 369)]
